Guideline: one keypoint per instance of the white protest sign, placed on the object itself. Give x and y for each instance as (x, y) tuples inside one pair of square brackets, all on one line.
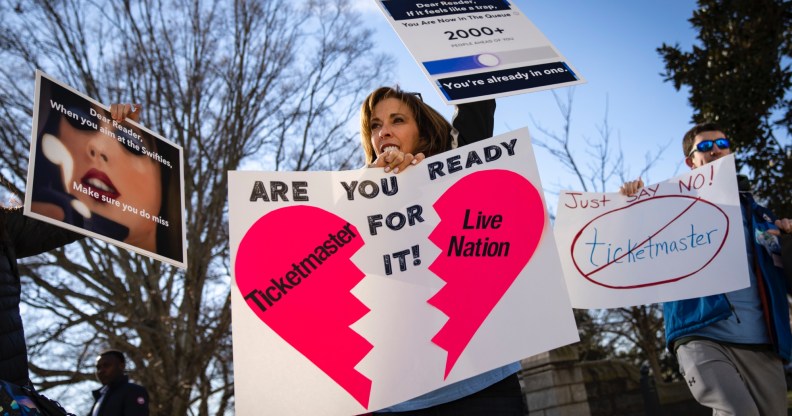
[(363, 289), (115, 181), (678, 239), (477, 49)]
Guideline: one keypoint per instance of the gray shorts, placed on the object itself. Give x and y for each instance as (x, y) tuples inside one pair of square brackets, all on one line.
[(734, 380)]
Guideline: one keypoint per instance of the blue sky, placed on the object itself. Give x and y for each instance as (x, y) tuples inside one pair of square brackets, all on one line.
[(613, 46)]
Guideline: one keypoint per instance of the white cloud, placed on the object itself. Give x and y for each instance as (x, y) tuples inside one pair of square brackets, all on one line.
[(365, 6)]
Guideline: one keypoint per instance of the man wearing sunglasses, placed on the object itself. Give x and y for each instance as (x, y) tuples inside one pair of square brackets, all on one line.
[(730, 346)]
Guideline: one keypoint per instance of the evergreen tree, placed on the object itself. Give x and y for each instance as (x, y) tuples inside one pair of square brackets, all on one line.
[(738, 76)]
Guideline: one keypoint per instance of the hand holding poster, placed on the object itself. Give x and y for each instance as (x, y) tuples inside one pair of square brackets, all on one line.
[(367, 289), (678, 239), (478, 49), (116, 181)]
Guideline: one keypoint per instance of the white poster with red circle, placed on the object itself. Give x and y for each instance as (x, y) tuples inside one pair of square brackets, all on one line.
[(357, 290), (678, 239)]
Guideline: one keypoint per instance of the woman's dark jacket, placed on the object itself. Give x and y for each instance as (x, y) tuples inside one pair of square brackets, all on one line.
[(20, 237)]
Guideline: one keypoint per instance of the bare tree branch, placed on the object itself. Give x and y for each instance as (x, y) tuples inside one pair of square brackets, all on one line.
[(268, 83)]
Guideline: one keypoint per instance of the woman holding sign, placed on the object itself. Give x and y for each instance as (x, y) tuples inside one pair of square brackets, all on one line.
[(399, 130), (97, 172)]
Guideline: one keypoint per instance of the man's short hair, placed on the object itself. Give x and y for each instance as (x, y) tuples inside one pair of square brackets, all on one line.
[(115, 353), (690, 136)]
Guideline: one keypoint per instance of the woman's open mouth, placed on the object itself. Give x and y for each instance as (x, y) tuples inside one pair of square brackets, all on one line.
[(101, 185), (387, 147)]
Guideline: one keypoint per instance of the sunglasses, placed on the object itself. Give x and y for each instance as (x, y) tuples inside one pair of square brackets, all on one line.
[(127, 139), (706, 145)]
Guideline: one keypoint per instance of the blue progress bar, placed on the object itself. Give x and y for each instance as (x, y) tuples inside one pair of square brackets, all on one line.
[(462, 63)]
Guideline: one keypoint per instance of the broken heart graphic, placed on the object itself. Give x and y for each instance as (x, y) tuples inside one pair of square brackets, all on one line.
[(294, 270), (293, 267), (486, 240)]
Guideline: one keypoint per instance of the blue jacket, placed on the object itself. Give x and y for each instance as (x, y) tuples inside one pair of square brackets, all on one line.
[(686, 316)]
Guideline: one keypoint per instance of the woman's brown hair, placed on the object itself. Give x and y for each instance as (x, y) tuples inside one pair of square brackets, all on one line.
[(433, 128)]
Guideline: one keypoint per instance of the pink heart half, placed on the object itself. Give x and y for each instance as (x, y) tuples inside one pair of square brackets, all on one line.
[(294, 270), (491, 223)]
